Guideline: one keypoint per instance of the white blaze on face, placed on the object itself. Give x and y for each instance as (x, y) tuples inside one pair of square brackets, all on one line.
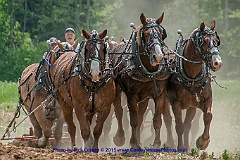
[(95, 66), (158, 52), (216, 59)]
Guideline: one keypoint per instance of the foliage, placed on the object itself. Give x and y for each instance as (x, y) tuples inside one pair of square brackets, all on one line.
[(226, 155), (194, 152), (25, 25), (211, 156), (8, 95)]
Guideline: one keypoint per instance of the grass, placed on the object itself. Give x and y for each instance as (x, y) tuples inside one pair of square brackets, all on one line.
[(8, 96)]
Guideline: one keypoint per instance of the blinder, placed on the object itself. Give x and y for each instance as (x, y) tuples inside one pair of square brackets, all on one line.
[(218, 43), (164, 36)]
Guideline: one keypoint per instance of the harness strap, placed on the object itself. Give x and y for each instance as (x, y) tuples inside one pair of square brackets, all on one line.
[(155, 87)]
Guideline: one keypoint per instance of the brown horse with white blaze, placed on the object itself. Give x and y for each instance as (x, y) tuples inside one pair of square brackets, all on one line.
[(146, 79), (34, 89), (191, 87), (84, 83)]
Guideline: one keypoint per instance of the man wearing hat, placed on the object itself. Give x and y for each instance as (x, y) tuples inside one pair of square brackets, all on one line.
[(70, 37)]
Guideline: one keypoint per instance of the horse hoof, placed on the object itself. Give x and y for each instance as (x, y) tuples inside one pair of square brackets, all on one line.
[(136, 146), (201, 143), (156, 145), (119, 141), (42, 142), (170, 143)]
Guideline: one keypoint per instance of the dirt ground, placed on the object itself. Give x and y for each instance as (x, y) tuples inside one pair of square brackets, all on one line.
[(11, 151)]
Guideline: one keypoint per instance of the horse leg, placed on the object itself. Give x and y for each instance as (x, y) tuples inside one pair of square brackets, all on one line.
[(168, 122), (78, 132), (119, 138), (157, 120), (177, 111), (126, 123), (142, 107), (36, 127), (133, 111), (203, 141), (68, 116), (148, 141), (84, 125), (92, 121), (190, 114), (106, 129), (46, 127), (58, 129), (195, 126), (102, 116)]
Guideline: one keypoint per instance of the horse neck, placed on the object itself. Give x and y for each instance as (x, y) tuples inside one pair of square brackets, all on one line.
[(192, 70)]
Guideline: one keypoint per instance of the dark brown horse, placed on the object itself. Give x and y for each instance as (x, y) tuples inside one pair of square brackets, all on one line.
[(34, 90), (190, 86), (84, 83), (143, 75)]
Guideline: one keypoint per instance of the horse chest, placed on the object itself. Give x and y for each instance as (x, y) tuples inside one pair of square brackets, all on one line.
[(104, 97)]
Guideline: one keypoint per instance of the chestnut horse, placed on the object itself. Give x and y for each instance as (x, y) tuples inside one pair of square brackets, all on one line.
[(190, 86), (34, 89), (84, 82), (143, 75)]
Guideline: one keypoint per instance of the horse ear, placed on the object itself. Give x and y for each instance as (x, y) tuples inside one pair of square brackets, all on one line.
[(212, 25), (86, 34), (202, 27), (111, 45), (121, 39), (60, 46), (75, 44), (160, 19), (103, 34), (143, 19)]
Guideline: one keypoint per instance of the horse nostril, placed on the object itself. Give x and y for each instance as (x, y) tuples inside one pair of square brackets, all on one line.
[(217, 64)]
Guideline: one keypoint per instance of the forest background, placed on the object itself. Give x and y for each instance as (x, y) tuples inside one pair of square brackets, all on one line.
[(25, 25)]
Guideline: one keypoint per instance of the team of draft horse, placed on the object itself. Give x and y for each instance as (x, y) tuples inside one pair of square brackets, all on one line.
[(90, 81)]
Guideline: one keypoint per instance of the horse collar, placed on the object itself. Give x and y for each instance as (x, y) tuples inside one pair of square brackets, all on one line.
[(202, 77)]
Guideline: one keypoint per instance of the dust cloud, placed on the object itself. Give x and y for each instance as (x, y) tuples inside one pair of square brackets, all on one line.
[(175, 17)]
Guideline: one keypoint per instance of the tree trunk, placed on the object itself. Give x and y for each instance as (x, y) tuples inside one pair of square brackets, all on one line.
[(88, 15)]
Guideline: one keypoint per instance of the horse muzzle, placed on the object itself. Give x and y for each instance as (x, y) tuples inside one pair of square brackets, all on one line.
[(216, 62), (156, 56), (95, 78)]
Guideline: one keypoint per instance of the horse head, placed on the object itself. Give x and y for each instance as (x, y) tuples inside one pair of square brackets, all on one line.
[(52, 43), (95, 53), (65, 46), (150, 37), (206, 42)]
